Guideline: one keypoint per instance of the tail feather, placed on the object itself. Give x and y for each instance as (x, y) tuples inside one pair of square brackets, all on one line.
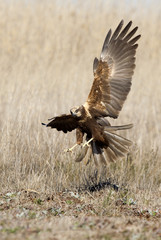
[(88, 156), (121, 147), (115, 128), (102, 159), (109, 155), (118, 146), (116, 151), (117, 138), (97, 154), (82, 155)]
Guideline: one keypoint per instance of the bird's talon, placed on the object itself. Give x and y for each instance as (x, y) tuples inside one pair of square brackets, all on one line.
[(86, 144), (67, 150)]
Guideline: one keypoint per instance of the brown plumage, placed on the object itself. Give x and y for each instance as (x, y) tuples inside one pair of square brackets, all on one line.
[(111, 85)]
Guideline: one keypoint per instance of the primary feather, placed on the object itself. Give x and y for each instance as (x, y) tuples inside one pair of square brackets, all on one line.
[(113, 72)]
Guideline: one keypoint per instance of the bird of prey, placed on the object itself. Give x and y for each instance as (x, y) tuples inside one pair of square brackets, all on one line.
[(112, 82)]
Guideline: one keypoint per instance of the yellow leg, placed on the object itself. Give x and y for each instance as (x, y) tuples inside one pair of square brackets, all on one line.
[(87, 143), (70, 149)]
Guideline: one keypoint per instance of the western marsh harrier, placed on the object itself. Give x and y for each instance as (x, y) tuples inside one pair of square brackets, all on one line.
[(112, 82)]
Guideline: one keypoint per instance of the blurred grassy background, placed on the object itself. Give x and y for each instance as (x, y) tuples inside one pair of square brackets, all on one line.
[(46, 56)]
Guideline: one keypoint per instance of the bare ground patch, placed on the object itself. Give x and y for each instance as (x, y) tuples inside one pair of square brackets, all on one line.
[(105, 214)]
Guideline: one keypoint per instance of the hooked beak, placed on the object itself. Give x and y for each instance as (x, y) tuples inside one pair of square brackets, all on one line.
[(73, 113)]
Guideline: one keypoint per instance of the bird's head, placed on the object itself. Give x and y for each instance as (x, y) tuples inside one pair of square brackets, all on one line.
[(76, 111)]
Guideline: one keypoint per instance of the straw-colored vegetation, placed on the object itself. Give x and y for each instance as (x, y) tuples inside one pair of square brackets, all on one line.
[(46, 56)]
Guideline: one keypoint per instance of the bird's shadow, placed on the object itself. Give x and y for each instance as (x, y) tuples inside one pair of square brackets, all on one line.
[(93, 187), (97, 180), (102, 185)]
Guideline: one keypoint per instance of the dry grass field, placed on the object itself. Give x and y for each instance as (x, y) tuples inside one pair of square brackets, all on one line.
[(46, 56)]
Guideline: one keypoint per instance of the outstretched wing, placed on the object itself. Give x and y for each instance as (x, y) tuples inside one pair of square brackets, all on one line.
[(113, 73), (63, 123)]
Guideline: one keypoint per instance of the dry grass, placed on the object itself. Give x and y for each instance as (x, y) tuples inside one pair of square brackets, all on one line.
[(46, 56)]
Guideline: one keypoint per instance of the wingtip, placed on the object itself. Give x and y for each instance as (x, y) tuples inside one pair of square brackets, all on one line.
[(43, 124), (49, 119), (131, 125), (122, 22), (139, 36)]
